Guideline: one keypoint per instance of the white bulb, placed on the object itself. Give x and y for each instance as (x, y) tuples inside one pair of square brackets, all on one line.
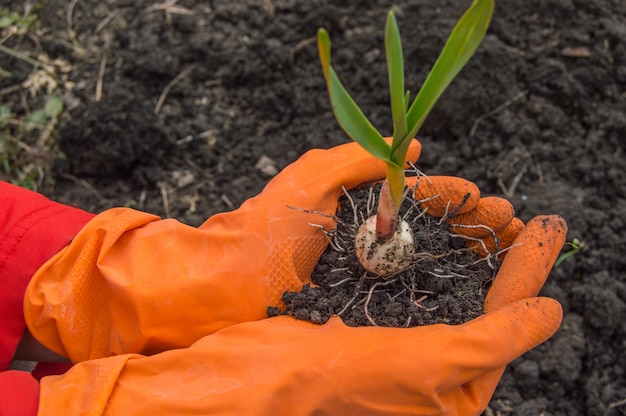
[(388, 257)]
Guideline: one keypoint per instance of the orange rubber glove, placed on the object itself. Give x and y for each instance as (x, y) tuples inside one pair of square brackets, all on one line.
[(488, 223), (281, 366), (132, 283)]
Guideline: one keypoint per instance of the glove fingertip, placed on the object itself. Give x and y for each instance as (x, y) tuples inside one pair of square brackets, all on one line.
[(528, 264), (502, 335), (444, 194), (542, 317), (553, 312)]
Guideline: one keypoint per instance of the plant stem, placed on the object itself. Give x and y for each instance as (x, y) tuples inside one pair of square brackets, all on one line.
[(386, 214), (21, 56), (389, 202)]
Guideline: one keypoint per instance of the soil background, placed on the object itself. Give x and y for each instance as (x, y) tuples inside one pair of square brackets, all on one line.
[(537, 116)]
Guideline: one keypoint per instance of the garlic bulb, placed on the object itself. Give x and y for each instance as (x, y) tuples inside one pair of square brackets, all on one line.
[(384, 258)]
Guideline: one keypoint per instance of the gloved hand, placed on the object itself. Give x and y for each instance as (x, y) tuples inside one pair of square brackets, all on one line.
[(132, 283), (281, 366)]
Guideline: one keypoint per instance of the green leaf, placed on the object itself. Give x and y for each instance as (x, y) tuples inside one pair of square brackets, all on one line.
[(6, 166), (395, 69), (347, 112), (8, 18), (35, 120), (53, 107), (5, 21), (26, 22), (460, 46), (5, 115), (576, 247), (398, 98)]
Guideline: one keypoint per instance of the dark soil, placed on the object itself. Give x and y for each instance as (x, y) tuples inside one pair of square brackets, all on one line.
[(445, 283), (537, 116)]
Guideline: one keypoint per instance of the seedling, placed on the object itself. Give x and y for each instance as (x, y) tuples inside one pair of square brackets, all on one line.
[(576, 246), (384, 244)]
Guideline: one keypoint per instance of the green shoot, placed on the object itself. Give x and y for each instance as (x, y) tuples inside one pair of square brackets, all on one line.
[(407, 119), (17, 23), (576, 245)]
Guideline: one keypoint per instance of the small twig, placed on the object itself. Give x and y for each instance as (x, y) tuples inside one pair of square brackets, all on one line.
[(169, 7), (68, 19), (300, 45), (102, 68), (197, 168), (510, 191), (166, 203), (106, 21), (269, 7), (142, 198), (100, 81), (169, 87), (23, 57), (227, 201), (496, 110), (617, 403), (11, 89), (83, 183)]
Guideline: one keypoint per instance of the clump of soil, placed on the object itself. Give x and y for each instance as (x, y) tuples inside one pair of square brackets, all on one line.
[(446, 282)]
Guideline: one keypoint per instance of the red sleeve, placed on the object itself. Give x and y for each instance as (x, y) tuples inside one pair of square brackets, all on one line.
[(19, 393), (32, 229)]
